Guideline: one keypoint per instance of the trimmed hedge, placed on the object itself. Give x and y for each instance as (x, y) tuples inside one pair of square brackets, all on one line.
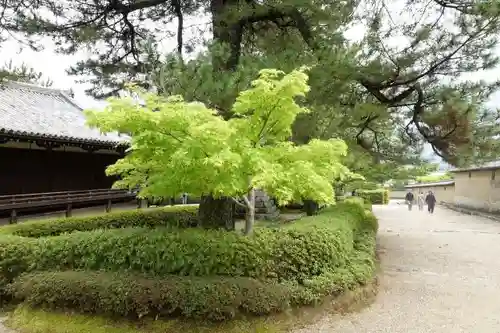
[(296, 251), (193, 273), (118, 294), (178, 216), (212, 298), (360, 201), (376, 197)]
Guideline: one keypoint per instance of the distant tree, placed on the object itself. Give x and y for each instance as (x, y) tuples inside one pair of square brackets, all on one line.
[(176, 144), (435, 178), (399, 184), (23, 73)]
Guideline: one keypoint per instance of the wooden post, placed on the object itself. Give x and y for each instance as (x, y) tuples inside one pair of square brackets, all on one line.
[(108, 206), (172, 201), (139, 203), (69, 210), (13, 217)]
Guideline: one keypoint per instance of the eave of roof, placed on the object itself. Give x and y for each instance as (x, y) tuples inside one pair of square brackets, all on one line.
[(33, 136), (493, 165), (442, 183)]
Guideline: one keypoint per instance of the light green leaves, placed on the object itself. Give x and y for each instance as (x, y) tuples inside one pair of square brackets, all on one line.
[(186, 147), (270, 107)]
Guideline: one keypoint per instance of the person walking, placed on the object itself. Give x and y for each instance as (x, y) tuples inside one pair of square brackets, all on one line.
[(184, 198), (421, 201), (409, 199), (430, 200)]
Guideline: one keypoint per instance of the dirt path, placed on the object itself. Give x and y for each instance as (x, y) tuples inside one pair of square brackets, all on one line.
[(441, 273)]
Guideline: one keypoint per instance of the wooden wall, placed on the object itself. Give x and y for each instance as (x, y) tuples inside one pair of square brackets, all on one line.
[(33, 171)]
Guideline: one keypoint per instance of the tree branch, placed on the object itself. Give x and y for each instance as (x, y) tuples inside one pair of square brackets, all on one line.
[(180, 25), (238, 203), (247, 202)]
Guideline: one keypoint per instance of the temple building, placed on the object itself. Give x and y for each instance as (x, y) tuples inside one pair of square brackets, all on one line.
[(45, 145)]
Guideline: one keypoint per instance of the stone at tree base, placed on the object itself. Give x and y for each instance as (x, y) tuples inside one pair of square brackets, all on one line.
[(265, 207)]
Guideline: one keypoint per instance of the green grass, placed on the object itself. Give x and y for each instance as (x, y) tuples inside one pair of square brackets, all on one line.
[(28, 320)]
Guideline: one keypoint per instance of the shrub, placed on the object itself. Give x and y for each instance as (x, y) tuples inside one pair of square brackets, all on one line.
[(366, 204), (117, 294), (376, 197), (213, 298), (386, 196), (178, 216), (310, 207), (297, 251), (370, 222), (193, 273)]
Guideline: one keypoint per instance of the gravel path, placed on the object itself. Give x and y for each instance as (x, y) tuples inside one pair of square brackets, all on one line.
[(441, 273), (4, 329)]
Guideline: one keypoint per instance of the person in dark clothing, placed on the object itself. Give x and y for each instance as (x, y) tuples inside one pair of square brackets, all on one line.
[(409, 199), (430, 200)]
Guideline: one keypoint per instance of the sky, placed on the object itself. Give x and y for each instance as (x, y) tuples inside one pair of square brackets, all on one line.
[(52, 65)]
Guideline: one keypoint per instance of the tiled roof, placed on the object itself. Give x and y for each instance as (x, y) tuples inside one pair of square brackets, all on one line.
[(493, 165), (32, 111), (441, 183)]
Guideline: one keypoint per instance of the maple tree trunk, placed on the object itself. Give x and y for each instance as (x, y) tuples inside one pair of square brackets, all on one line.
[(250, 215), (216, 213)]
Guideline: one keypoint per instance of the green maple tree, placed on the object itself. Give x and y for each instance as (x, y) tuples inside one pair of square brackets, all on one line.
[(180, 146)]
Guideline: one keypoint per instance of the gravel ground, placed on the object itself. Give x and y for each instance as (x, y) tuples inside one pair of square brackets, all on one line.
[(440, 273), (4, 329)]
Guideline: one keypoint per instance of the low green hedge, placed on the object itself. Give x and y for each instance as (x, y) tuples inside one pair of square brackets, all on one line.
[(360, 201), (178, 216), (193, 272), (376, 197), (296, 251), (118, 294), (212, 298)]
